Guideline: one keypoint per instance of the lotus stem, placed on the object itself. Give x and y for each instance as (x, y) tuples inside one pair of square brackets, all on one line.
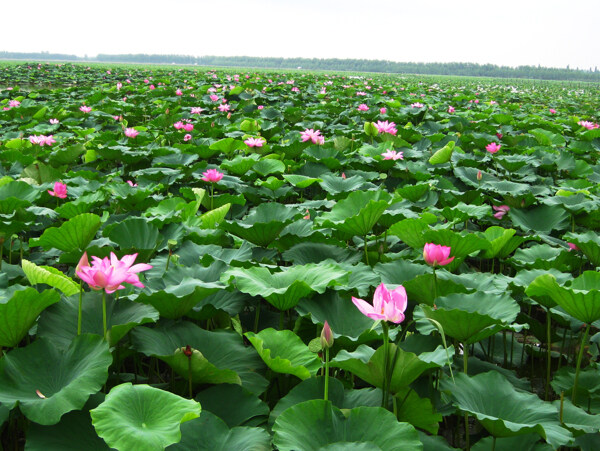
[(434, 286), (465, 358), (79, 310), (465, 366), (578, 366), (281, 318), (104, 312), (190, 378), (212, 195), (326, 394), (494, 443), (366, 251), (548, 352), (256, 316), (386, 346)]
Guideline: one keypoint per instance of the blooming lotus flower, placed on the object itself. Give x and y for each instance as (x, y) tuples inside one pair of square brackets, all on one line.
[(417, 105), (178, 125), (387, 305), (587, 124), (392, 155), (187, 137), (383, 110), (152, 87), (386, 127), (197, 110), (42, 140), (214, 97), (130, 183), (188, 127), (60, 190), (224, 107), (451, 109), (501, 211), (131, 132), (260, 107), (254, 142), (552, 111), (85, 109), (212, 175), (363, 107), (54, 121), (178, 92), (119, 85), (14, 103), (437, 255), (572, 247), (493, 147), (313, 135), (110, 274)]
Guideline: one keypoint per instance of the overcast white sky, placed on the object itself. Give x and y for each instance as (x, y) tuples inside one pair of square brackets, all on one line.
[(553, 33)]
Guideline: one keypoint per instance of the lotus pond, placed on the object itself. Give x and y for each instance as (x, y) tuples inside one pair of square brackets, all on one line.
[(198, 259)]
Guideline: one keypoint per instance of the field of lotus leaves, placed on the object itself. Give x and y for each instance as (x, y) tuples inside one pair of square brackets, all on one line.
[(197, 259)]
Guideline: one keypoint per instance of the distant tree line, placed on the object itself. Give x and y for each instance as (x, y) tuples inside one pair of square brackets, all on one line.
[(334, 64)]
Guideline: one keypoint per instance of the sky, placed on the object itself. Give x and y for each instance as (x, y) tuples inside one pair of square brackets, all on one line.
[(551, 33)]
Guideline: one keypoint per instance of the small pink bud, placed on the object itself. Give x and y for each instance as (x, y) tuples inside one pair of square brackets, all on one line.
[(326, 336)]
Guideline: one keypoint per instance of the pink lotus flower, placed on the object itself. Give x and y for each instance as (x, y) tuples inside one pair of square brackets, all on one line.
[(131, 132), (14, 103), (42, 140), (417, 105), (573, 247), (363, 107), (587, 124), (60, 190), (197, 110), (224, 107), (295, 89), (326, 336), (499, 135), (254, 142), (178, 125), (501, 211), (188, 127), (451, 109), (383, 110), (111, 274), (260, 107), (387, 305), (214, 97), (85, 109), (552, 111), (437, 255), (146, 81), (187, 137), (54, 121), (493, 147), (119, 85), (212, 175), (130, 183), (152, 87), (178, 92), (386, 127), (313, 135), (392, 155)]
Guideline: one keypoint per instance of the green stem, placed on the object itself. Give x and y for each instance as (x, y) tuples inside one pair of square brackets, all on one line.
[(256, 316), (212, 194), (281, 318), (465, 366), (326, 394), (190, 377), (386, 345), (80, 308), (104, 312), (548, 352), (578, 367), (465, 357), (395, 406), (435, 283), (366, 251), (494, 443)]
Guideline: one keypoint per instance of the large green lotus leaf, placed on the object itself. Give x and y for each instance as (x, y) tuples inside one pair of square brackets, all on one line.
[(219, 357), (471, 317), (4, 413), (284, 352), (361, 278), (268, 166), (443, 155), (588, 384), (318, 425), (49, 276), (399, 271), (542, 219), (341, 314), (547, 138), (423, 289), (335, 184), (577, 420), (307, 252), (463, 212), (368, 364), (210, 433), (300, 181), (504, 411), (417, 411), (73, 235), (48, 382), (19, 190), (357, 214), (59, 322), (263, 224), (212, 218), (461, 244), (190, 253), (175, 292), (134, 233), (228, 145), (74, 432), (507, 188), (435, 443), (414, 192), (527, 442), (142, 417), (249, 409), (19, 308), (239, 165), (502, 241), (284, 289), (588, 242), (308, 389), (581, 299)]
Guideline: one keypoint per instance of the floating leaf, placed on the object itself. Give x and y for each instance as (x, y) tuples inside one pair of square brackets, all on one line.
[(73, 235)]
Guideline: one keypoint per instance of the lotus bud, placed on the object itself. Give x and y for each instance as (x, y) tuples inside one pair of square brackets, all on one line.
[(479, 176), (326, 336)]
